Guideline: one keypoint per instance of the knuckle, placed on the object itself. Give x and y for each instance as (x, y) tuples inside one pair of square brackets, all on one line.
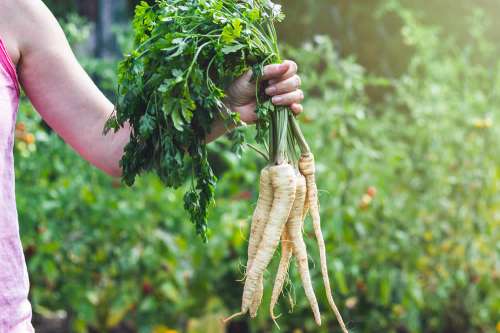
[(301, 95), (298, 81), (269, 70), (288, 86), (285, 87)]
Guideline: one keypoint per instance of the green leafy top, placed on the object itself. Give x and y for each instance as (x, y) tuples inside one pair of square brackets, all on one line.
[(172, 87)]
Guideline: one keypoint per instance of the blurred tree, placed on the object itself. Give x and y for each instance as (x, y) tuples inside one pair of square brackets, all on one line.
[(110, 13), (358, 28), (61, 7), (87, 8)]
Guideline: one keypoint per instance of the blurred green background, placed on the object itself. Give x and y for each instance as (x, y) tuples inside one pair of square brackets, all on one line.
[(402, 97)]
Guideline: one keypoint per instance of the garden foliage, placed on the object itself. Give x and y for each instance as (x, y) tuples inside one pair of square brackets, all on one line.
[(409, 194)]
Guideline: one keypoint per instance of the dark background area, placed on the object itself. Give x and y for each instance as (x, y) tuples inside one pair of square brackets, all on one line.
[(358, 28)]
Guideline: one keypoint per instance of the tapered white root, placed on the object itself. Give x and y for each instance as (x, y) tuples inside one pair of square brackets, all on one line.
[(294, 228), (307, 168), (281, 275), (284, 184), (257, 297), (228, 319), (305, 211), (259, 221)]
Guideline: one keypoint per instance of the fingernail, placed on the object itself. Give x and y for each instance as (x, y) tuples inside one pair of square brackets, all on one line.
[(277, 99), (271, 90)]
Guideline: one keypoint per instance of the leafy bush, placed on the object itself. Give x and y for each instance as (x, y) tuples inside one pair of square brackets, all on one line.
[(409, 203)]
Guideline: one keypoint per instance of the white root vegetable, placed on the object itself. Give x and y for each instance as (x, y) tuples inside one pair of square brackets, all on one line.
[(283, 182), (259, 220), (307, 168), (281, 275), (294, 228)]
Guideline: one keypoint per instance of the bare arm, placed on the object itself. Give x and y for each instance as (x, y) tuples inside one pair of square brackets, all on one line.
[(62, 92), (76, 109)]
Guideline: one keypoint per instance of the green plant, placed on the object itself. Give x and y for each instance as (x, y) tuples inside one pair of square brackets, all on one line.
[(421, 251), (172, 88)]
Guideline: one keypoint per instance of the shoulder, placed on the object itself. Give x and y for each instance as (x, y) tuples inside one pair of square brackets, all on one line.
[(9, 18), (24, 24)]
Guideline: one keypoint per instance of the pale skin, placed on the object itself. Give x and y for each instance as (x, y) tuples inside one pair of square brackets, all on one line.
[(68, 100)]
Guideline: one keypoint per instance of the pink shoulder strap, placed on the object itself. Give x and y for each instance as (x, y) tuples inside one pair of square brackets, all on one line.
[(7, 63)]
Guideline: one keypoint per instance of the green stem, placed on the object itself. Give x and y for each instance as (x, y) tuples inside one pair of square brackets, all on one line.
[(292, 144), (297, 132), (272, 137), (281, 135), (190, 69), (258, 151)]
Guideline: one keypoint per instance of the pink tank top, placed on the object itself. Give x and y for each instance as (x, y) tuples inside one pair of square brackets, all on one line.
[(15, 309)]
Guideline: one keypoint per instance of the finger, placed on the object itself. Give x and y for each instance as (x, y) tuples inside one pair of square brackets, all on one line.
[(247, 76), (275, 71), (297, 108), (285, 86), (296, 96), (292, 71)]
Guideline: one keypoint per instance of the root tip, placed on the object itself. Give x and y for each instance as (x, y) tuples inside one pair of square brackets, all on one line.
[(275, 318), (228, 319), (317, 319), (336, 311)]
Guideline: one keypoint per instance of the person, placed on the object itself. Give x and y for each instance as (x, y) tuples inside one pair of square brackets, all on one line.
[(35, 55)]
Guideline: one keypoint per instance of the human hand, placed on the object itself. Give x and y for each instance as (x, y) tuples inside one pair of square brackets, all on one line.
[(283, 86)]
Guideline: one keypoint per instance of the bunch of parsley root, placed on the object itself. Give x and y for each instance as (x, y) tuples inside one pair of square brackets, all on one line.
[(172, 90)]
